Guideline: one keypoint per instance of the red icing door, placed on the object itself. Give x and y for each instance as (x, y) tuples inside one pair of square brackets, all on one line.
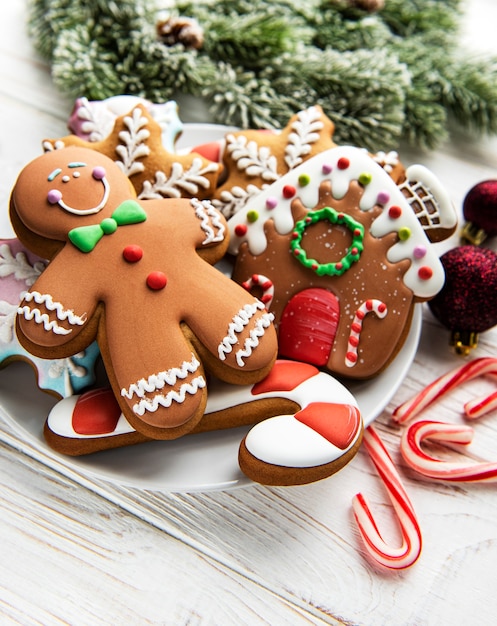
[(308, 326)]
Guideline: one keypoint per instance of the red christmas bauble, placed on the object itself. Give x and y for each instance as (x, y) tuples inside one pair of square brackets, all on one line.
[(467, 303), (480, 212)]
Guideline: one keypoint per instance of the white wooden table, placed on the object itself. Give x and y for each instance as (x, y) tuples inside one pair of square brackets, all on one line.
[(82, 551)]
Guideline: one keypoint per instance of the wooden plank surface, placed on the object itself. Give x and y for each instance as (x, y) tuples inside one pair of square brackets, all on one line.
[(77, 550)]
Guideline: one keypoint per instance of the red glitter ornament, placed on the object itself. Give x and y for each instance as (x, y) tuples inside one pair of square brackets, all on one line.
[(480, 212), (467, 304)]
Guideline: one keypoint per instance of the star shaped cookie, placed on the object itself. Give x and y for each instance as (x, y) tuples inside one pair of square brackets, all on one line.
[(135, 144)]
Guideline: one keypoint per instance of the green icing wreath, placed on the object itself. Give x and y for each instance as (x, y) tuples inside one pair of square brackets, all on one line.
[(334, 217), (381, 70)]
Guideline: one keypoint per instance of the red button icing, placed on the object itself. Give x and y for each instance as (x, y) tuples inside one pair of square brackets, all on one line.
[(96, 413), (285, 376), (132, 253), (156, 280), (337, 423)]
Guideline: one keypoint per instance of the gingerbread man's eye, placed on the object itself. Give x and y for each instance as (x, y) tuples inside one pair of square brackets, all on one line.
[(54, 196), (98, 172)]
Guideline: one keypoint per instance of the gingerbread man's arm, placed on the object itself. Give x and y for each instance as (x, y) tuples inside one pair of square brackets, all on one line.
[(58, 316)]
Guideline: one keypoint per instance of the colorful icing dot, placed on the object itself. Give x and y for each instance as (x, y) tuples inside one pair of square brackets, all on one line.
[(404, 233), (304, 179), (419, 251), (327, 168), (343, 163), (252, 216), (365, 178), (53, 196), (394, 212), (108, 225), (156, 280), (240, 230), (98, 172), (383, 197), (425, 272), (271, 202), (289, 191), (132, 253)]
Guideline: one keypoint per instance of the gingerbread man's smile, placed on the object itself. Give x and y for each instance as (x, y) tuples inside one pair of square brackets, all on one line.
[(55, 196)]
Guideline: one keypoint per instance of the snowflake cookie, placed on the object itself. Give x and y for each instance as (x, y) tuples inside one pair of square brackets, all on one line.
[(135, 144), (19, 269)]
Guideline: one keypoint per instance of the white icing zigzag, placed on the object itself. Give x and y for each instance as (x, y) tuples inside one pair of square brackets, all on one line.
[(158, 381), (165, 401), (43, 318), (237, 325), (210, 221), (253, 340)]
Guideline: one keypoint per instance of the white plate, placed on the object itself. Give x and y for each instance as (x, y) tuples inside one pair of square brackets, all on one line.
[(201, 462)]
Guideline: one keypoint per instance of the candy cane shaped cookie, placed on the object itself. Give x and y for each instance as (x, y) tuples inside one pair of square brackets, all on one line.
[(307, 424), (373, 305), (259, 280)]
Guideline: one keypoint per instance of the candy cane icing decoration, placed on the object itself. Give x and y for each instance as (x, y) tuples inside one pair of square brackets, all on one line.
[(409, 551), (431, 467), (373, 305), (484, 366), (259, 280)]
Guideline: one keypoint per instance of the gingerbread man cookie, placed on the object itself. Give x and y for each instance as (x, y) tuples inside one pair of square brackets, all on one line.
[(135, 144), (133, 275), (339, 253)]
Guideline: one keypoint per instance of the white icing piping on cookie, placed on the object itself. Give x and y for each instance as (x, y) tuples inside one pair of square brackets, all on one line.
[(43, 318), (237, 325), (210, 221), (152, 404), (158, 381), (253, 340), (274, 204)]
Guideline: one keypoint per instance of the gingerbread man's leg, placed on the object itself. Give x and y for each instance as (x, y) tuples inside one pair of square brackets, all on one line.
[(238, 342), (160, 383)]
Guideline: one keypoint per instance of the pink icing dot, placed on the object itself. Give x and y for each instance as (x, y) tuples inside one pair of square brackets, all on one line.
[(327, 168), (383, 197), (53, 196), (271, 202), (98, 172), (419, 251)]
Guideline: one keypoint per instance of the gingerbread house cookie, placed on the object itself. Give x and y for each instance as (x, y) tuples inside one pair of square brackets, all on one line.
[(339, 255)]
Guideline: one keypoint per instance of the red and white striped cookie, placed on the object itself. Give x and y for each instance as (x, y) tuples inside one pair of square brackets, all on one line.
[(308, 425)]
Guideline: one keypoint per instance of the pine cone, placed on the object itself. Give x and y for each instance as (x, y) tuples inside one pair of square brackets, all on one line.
[(182, 30)]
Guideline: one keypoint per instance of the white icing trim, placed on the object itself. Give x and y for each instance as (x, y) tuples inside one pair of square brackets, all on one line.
[(158, 381), (253, 340), (61, 313), (210, 221), (152, 404), (238, 323)]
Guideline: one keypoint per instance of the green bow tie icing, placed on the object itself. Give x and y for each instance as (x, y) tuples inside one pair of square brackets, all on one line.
[(85, 238)]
